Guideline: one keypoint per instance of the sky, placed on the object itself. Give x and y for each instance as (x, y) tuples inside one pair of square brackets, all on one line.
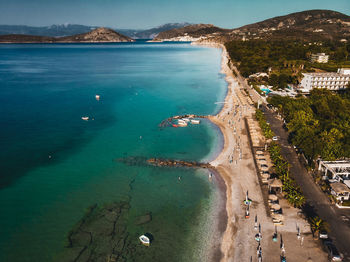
[(142, 14)]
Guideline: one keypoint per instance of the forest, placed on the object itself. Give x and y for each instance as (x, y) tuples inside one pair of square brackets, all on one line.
[(319, 125)]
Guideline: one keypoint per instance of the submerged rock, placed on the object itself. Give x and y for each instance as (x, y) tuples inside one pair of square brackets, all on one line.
[(101, 235)]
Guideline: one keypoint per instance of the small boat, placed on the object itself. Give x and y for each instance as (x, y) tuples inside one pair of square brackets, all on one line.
[(181, 122), (195, 121), (97, 97), (186, 120), (86, 118), (145, 240)]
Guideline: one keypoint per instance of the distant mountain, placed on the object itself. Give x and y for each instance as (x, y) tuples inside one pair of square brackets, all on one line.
[(53, 30), (153, 32), (99, 35), (312, 25), (69, 29)]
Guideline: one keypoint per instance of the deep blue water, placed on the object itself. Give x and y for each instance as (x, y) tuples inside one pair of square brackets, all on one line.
[(54, 165)]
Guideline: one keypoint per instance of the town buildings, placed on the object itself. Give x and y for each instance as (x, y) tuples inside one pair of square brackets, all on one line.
[(319, 58)]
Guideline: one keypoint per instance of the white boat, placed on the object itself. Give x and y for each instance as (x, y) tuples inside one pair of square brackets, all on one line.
[(195, 121), (145, 240), (97, 97), (181, 122), (86, 118), (186, 120)]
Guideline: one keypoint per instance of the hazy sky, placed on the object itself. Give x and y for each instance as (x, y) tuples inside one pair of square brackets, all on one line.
[(148, 13)]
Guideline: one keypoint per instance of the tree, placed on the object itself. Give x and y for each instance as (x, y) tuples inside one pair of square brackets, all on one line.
[(316, 225)]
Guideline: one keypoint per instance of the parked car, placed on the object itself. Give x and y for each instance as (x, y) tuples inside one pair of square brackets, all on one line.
[(344, 218), (333, 253), (275, 138), (323, 234)]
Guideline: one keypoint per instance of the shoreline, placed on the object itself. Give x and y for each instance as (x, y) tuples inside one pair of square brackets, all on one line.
[(221, 160)]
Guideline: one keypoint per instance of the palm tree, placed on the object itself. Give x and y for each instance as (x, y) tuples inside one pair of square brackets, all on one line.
[(316, 224)]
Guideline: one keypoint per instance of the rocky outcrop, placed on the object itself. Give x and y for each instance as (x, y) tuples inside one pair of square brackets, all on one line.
[(176, 163), (160, 162)]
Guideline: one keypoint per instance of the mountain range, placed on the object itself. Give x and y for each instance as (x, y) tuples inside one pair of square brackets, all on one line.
[(71, 29), (311, 25)]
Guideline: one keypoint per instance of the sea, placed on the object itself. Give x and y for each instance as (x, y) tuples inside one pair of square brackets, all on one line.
[(54, 165)]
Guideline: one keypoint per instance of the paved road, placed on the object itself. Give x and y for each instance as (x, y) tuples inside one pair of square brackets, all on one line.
[(340, 230)]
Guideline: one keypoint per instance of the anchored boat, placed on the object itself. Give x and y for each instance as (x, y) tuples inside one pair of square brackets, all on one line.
[(181, 122), (86, 118), (145, 240), (195, 121)]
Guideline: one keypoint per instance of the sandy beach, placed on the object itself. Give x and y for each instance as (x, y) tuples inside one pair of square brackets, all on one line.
[(236, 166)]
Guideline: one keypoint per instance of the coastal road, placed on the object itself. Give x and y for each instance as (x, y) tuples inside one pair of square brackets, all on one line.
[(315, 198)]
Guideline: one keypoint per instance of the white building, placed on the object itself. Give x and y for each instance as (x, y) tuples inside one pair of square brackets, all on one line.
[(335, 171), (340, 191), (319, 58), (331, 81)]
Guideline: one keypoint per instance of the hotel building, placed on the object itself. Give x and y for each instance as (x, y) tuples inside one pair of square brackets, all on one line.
[(331, 81)]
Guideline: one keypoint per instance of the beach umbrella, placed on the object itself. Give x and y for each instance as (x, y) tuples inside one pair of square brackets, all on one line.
[(276, 207), (273, 197), (264, 168), (265, 175)]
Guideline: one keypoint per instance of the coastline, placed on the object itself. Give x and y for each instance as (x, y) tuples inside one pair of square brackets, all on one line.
[(221, 162), (237, 167)]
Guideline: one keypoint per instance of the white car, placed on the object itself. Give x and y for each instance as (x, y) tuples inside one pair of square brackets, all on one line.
[(323, 234), (275, 138)]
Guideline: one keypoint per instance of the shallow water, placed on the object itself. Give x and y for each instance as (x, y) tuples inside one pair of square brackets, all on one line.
[(54, 165)]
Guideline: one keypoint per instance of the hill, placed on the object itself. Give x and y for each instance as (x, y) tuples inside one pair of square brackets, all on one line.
[(99, 35), (311, 25), (189, 32)]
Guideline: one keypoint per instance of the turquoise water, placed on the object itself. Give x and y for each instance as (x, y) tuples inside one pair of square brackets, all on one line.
[(54, 165)]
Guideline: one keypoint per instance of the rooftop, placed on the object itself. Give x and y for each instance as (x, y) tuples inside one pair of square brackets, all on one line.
[(340, 187)]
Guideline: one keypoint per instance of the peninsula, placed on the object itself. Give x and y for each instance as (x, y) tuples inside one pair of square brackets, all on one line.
[(99, 35)]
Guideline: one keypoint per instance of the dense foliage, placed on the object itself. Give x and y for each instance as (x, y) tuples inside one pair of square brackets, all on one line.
[(292, 192), (286, 58), (319, 125), (265, 127)]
